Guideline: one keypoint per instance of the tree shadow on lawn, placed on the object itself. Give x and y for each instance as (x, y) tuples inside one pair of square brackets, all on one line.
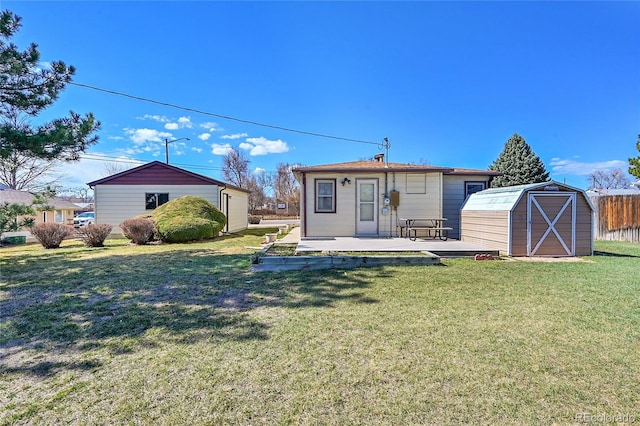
[(59, 303), (612, 254)]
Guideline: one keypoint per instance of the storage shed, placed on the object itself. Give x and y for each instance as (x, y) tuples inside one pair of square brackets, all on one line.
[(541, 219)]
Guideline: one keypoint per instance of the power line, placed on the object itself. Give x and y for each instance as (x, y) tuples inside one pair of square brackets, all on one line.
[(102, 157), (225, 117)]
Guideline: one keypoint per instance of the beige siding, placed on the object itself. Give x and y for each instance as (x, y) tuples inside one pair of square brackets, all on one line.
[(236, 210), (342, 223), (49, 216), (116, 203), (487, 228)]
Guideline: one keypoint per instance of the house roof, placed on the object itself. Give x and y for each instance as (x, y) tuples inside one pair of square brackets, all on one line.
[(505, 198), (159, 173), (12, 196), (381, 166), (622, 191)]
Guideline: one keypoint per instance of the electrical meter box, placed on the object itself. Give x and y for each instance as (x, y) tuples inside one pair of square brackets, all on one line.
[(394, 197)]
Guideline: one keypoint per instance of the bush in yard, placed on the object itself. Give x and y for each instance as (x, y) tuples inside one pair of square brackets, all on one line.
[(254, 220), (139, 230), (188, 219), (51, 235), (94, 234)]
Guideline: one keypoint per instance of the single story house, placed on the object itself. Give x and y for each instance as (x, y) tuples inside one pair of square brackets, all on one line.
[(62, 211), (139, 190), (539, 219), (369, 197)]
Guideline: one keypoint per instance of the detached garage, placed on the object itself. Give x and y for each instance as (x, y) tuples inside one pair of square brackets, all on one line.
[(541, 219), (141, 189)]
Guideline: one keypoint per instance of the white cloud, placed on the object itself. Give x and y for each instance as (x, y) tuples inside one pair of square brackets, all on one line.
[(580, 168), (115, 138), (204, 136), (158, 118), (181, 123), (196, 149), (234, 136), (141, 136), (258, 170), (217, 149), (93, 167), (185, 122), (264, 146), (209, 125)]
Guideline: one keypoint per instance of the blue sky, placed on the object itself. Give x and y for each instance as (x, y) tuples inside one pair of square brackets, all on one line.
[(447, 82)]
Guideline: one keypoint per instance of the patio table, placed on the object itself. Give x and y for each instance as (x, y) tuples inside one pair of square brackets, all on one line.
[(433, 225)]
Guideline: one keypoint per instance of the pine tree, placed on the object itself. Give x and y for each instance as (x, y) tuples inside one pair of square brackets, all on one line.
[(634, 162), (518, 164), (27, 87)]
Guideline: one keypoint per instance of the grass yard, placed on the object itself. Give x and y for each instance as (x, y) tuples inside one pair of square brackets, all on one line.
[(187, 334)]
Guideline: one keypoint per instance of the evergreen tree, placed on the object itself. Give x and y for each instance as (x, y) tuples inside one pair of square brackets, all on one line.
[(634, 162), (518, 164), (28, 86)]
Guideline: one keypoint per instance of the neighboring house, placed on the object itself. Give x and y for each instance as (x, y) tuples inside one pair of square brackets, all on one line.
[(367, 198), (140, 190), (61, 210), (632, 190)]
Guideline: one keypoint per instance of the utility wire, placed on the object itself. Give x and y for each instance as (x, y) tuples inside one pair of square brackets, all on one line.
[(112, 159), (225, 117)]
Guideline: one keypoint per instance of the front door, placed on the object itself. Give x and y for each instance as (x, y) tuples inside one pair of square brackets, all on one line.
[(551, 228), (367, 207)]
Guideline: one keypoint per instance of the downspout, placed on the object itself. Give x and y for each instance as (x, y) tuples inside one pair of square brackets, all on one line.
[(303, 204), (226, 207), (386, 194)]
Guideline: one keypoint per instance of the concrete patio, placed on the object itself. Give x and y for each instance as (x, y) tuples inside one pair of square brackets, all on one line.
[(449, 248)]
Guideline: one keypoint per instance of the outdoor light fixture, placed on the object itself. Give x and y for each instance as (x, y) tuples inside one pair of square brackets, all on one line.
[(166, 147), (345, 181)]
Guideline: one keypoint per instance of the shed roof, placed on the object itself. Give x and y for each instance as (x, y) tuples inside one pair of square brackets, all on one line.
[(506, 198)]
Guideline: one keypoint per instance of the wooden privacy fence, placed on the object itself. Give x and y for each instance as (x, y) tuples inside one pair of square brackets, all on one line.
[(617, 217)]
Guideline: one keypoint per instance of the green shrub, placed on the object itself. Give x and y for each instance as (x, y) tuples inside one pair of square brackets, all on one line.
[(50, 235), (188, 219), (94, 234), (139, 230)]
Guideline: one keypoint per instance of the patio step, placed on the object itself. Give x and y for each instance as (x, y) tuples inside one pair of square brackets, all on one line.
[(307, 263)]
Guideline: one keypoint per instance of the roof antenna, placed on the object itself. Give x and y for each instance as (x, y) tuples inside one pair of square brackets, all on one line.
[(385, 145)]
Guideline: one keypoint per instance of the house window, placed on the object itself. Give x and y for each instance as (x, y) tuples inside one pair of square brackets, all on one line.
[(473, 187), (154, 200), (325, 196), (58, 216), (44, 217)]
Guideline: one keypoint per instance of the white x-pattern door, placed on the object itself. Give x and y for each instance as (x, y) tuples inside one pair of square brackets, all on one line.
[(558, 226)]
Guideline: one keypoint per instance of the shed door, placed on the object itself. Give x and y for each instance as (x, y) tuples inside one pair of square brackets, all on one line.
[(367, 207), (551, 226)]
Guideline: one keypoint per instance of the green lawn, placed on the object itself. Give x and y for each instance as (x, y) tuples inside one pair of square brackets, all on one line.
[(187, 334)]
